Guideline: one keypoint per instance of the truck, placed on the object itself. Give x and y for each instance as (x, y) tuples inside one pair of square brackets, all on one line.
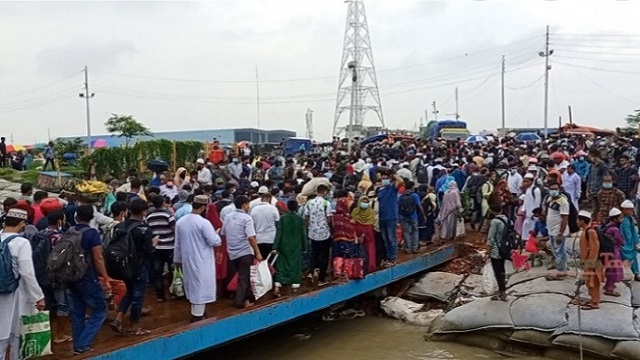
[(446, 129)]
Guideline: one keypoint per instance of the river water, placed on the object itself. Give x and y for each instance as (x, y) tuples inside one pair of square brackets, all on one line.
[(365, 338)]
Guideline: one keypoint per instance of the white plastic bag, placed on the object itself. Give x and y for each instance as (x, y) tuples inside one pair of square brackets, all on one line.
[(489, 283), (261, 277), (399, 308), (460, 229)]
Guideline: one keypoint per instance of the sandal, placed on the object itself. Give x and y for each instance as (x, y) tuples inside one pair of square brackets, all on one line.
[(116, 326), (589, 306), (276, 293), (63, 339), (139, 332), (612, 293)]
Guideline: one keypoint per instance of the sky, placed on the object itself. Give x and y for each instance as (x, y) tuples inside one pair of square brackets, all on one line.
[(192, 65)]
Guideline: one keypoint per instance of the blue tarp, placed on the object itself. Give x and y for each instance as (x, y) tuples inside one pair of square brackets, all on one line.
[(527, 137), (295, 145), (374, 138)]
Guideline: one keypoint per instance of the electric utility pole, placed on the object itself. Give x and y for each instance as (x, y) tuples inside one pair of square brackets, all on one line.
[(547, 67), (457, 112), (87, 96), (504, 129)]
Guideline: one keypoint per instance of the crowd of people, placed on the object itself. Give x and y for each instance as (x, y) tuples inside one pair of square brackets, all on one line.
[(232, 210)]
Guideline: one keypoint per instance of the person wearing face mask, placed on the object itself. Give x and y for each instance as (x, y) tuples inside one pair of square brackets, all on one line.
[(608, 197), (169, 190), (235, 168), (204, 174), (556, 211), (23, 292), (193, 252), (365, 218), (388, 213)]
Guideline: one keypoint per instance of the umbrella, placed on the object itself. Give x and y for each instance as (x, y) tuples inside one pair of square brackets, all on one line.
[(39, 146), (476, 139), (99, 144), (15, 148), (374, 138), (528, 137)]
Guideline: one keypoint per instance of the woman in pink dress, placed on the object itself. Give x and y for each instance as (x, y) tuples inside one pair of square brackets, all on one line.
[(364, 218)]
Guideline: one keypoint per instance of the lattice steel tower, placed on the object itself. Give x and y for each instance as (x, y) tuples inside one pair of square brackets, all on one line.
[(358, 85)]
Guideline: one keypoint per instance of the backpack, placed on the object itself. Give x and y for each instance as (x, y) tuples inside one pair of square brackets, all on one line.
[(406, 204), (427, 206), (66, 262), (607, 244), (121, 257), (509, 241), (573, 215), (8, 280), (423, 176), (108, 235), (40, 250)]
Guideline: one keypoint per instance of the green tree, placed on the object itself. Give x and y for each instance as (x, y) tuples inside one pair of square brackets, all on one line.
[(127, 127), (633, 120)]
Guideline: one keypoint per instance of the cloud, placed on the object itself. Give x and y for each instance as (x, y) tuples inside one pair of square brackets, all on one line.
[(106, 55)]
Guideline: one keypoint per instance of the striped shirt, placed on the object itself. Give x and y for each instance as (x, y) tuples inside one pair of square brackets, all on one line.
[(162, 224)]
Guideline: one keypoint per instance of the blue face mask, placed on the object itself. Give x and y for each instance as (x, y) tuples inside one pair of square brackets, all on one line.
[(386, 182), (554, 193), (364, 205), (607, 185)]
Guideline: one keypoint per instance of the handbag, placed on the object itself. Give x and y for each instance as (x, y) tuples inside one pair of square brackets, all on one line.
[(261, 276), (35, 335), (531, 246), (460, 229), (177, 285)]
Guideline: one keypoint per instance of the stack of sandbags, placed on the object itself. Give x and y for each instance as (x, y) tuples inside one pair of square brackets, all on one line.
[(538, 315)]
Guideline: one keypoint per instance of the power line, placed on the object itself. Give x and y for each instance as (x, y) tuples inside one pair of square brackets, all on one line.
[(598, 69), (598, 59), (526, 86), (634, 102), (36, 104), (38, 99), (40, 87), (597, 52), (332, 77)]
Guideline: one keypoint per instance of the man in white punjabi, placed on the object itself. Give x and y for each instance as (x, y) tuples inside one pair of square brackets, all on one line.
[(193, 251)]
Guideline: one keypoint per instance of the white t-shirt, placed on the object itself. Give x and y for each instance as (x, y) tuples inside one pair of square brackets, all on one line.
[(265, 217), (515, 181), (317, 210), (555, 209)]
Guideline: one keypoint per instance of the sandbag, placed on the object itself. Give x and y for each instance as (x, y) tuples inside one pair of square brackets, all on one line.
[(635, 294), (482, 341), (424, 318), (532, 337), (563, 354), (611, 321), (437, 285), (542, 286), (489, 283), (544, 312), (623, 299), (626, 350), (525, 276), (310, 187), (473, 285), (593, 344), (480, 314), (399, 308)]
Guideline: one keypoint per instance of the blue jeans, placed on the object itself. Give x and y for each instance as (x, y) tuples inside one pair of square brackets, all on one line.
[(410, 234), (388, 230), (135, 295), (83, 294), (559, 252)]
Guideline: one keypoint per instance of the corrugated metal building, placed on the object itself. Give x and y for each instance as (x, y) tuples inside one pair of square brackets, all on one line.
[(225, 136)]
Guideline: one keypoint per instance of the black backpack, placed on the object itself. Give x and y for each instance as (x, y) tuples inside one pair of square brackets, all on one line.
[(40, 250), (607, 243), (406, 204), (510, 240), (573, 215), (67, 262), (121, 256), (423, 176)]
